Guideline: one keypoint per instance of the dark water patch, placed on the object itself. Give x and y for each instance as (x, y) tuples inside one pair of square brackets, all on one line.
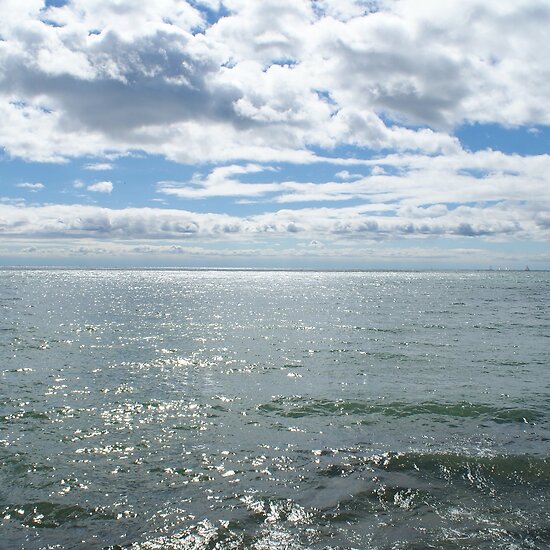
[(496, 328), (513, 469), (389, 330), (388, 356), (20, 463), (23, 415), (187, 427), (446, 500), (499, 470), (378, 498), (49, 515), (297, 407), (15, 466)]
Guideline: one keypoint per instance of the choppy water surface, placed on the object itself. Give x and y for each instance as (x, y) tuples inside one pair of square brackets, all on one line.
[(270, 410)]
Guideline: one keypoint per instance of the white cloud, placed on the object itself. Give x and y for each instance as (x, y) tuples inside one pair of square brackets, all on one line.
[(101, 187), (220, 182), (403, 180), (270, 81), (345, 175), (502, 220), (15, 202), (31, 186), (99, 166)]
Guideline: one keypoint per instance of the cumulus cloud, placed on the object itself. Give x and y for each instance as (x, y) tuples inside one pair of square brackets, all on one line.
[(268, 81), (219, 183), (345, 175), (101, 187), (99, 166), (504, 219), (33, 187)]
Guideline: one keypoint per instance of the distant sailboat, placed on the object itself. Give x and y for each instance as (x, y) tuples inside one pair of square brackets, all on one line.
[(527, 268)]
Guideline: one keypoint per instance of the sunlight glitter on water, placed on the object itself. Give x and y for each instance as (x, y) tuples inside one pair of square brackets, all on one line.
[(274, 410)]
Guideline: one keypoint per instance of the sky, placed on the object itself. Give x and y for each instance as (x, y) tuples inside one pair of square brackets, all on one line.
[(362, 134)]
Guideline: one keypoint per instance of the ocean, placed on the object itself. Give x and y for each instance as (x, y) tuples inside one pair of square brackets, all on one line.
[(166, 409)]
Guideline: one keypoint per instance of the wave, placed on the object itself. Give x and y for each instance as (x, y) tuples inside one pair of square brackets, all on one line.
[(497, 470), (53, 514), (297, 407)]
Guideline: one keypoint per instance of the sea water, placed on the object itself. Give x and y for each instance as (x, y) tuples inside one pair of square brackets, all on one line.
[(271, 410)]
